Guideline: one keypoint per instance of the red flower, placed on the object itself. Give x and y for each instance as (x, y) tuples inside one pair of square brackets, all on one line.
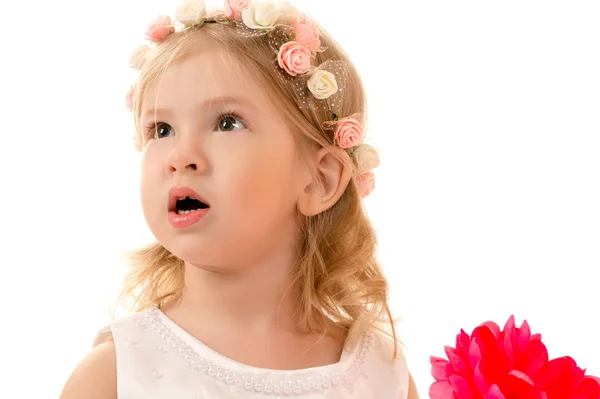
[(489, 364), (507, 364)]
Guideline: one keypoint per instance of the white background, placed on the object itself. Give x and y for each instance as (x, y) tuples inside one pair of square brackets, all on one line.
[(486, 115)]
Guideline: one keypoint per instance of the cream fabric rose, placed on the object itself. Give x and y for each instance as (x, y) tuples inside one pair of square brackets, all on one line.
[(262, 15), (367, 158), (191, 12), (138, 58), (322, 84)]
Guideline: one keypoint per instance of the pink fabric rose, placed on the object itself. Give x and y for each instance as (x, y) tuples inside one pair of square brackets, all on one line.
[(234, 8), (129, 98), (294, 58), (159, 29), (307, 33), (366, 183), (348, 132)]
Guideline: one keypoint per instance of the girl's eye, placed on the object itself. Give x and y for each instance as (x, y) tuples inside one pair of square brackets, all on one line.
[(160, 130), (229, 122)]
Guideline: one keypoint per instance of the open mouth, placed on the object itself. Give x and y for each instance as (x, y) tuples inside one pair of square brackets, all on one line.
[(187, 205)]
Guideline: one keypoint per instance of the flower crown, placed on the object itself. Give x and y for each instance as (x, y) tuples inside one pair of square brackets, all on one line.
[(295, 39)]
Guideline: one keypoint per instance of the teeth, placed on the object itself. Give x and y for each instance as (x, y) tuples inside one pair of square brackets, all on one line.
[(181, 212)]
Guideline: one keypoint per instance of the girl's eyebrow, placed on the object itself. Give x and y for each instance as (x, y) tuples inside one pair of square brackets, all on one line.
[(207, 103)]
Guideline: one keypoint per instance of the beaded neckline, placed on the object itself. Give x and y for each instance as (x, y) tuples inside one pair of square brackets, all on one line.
[(266, 381)]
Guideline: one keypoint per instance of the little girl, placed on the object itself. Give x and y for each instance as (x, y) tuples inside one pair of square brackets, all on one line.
[(263, 280)]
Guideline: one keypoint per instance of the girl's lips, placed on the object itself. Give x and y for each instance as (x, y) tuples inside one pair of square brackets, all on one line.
[(187, 219)]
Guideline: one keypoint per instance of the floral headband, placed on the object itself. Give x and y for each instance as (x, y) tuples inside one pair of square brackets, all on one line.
[(295, 40)]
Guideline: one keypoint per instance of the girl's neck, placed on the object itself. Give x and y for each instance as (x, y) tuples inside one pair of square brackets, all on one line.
[(243, 314), (257, 298)]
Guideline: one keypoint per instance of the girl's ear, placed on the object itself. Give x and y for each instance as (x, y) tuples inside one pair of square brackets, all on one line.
[(333, 173)]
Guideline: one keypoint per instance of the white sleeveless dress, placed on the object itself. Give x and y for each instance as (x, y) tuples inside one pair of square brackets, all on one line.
[(156, 358)]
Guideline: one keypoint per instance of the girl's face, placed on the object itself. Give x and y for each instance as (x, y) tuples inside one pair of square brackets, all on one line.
[(211, 132)]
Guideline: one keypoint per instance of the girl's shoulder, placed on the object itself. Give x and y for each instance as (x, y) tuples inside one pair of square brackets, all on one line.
[(96, 373), (95, 377), (386, 365), (106, 333)]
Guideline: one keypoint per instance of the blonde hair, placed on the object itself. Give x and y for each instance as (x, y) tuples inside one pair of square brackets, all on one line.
[(337, 273)]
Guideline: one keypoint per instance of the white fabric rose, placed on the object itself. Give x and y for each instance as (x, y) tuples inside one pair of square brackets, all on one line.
[(322, 84), (366, 157), (139, 57), (262, 15), (191, 12)]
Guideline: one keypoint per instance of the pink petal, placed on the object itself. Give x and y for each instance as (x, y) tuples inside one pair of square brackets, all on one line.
[(523, 336), (494, 393), (517, 384), (535, 356), (510, 353), (461, 387), (433, 359), (457, 363), (493, 327), (480, 383), (521, 376), (462, 341), (473, 355), (439, 368), (441, 390), (509, 327)]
